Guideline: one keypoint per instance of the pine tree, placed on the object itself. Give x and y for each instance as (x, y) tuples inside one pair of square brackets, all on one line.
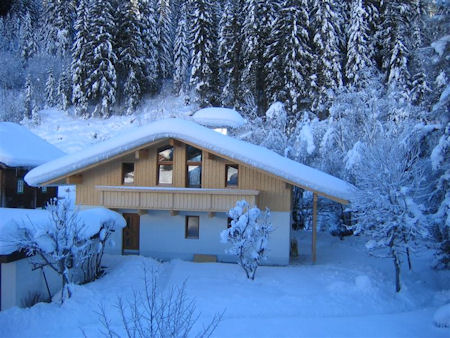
[(58, 26), (419, 88), (327, 54), (230, 45), (149, 34), (165, 25), (131, 62), (28, 99), (359, 55), (101, 81), (181, 53), (64, 90), (204, 63), (256, 30), (27, 38), (50, 87), (81, 58), (289, 55)]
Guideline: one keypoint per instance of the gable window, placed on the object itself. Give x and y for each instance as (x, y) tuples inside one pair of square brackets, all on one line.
[(192, 227), (231, 175), (194, 167), (20, 186), (165, 165), (128, 173)]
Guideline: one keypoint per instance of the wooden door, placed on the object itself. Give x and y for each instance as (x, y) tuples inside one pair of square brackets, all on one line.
[(130, 239)]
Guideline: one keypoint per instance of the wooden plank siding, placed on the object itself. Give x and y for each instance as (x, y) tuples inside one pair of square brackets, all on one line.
[(273, 192)]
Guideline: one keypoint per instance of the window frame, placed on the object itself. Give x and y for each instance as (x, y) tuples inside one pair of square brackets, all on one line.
[(231, 165), (123, 173), (20, 187), (186, 227), (191, 164), (160, 163)]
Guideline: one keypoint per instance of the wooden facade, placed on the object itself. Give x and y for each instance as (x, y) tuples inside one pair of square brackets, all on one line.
[(102, 184), (15, 193)]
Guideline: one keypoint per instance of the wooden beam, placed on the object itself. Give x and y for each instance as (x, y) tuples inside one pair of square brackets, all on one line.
[(174, 143), (74, 179), (314, 228), (142, 212), (210, 156), (211, 214), (173, 212), (141, 154)]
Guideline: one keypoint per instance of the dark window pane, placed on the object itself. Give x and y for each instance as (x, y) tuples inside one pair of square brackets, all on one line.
[(232, 173), (194, 176), (192, 227), (20, 186), (165, 174), (193, 154), (165, 154), (127, 173)]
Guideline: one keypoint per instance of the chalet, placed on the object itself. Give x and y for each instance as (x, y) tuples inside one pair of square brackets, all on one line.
[(174, 181), (20, 151)]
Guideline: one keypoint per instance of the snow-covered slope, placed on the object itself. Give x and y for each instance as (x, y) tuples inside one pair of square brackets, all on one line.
[(191, 132)]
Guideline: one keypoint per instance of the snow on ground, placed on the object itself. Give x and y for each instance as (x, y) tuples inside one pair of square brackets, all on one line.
[(71, 134), (346, 294)]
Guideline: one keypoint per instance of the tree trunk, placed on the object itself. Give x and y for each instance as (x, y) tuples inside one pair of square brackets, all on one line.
[(397, 271)]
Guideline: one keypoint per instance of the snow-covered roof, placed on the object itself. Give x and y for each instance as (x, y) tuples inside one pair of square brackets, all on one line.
[(218, 117), (19, 147), (193, 133), (12, 219)]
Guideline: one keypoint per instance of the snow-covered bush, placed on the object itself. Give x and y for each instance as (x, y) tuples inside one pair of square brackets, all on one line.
[(441, 317), (65, 244), (157, 314), (248, 236), (388, 175)]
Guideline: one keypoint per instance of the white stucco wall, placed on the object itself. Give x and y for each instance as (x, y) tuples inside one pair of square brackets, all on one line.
[(163, 236), (18, 281)]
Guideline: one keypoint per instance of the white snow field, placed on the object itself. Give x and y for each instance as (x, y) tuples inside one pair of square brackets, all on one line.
[(345, 294)]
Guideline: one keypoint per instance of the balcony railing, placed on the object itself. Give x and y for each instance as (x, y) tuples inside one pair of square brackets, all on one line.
[(177, 199)]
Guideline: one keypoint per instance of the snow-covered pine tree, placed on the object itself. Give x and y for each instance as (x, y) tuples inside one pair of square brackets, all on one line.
[(58, 26), (28, 43), (327, 54), (181, 53), (81, 58), (419, 88), (64, 90), (289, 55), (50, 87), (359, 60), (256, 30), (35, 117), (166, 36), (395, 52), (28, 98), (150, 36), (131, 61), (204, 77), (101, 81), (230, 45)]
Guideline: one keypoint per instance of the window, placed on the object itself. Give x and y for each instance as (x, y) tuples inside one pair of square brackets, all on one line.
[(127, 173), (194, 167), (232, 175), (20, 186), (192, 227), (165, 165), (44, 190)]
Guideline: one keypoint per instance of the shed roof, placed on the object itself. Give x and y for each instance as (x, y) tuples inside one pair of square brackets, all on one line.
[(218, 117), (231, 148), (19, 147)]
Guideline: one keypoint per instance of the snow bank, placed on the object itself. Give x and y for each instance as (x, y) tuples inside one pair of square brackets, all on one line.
[(250, 154), (218, 117), (19, 147), (441, 317), (12, 219)]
